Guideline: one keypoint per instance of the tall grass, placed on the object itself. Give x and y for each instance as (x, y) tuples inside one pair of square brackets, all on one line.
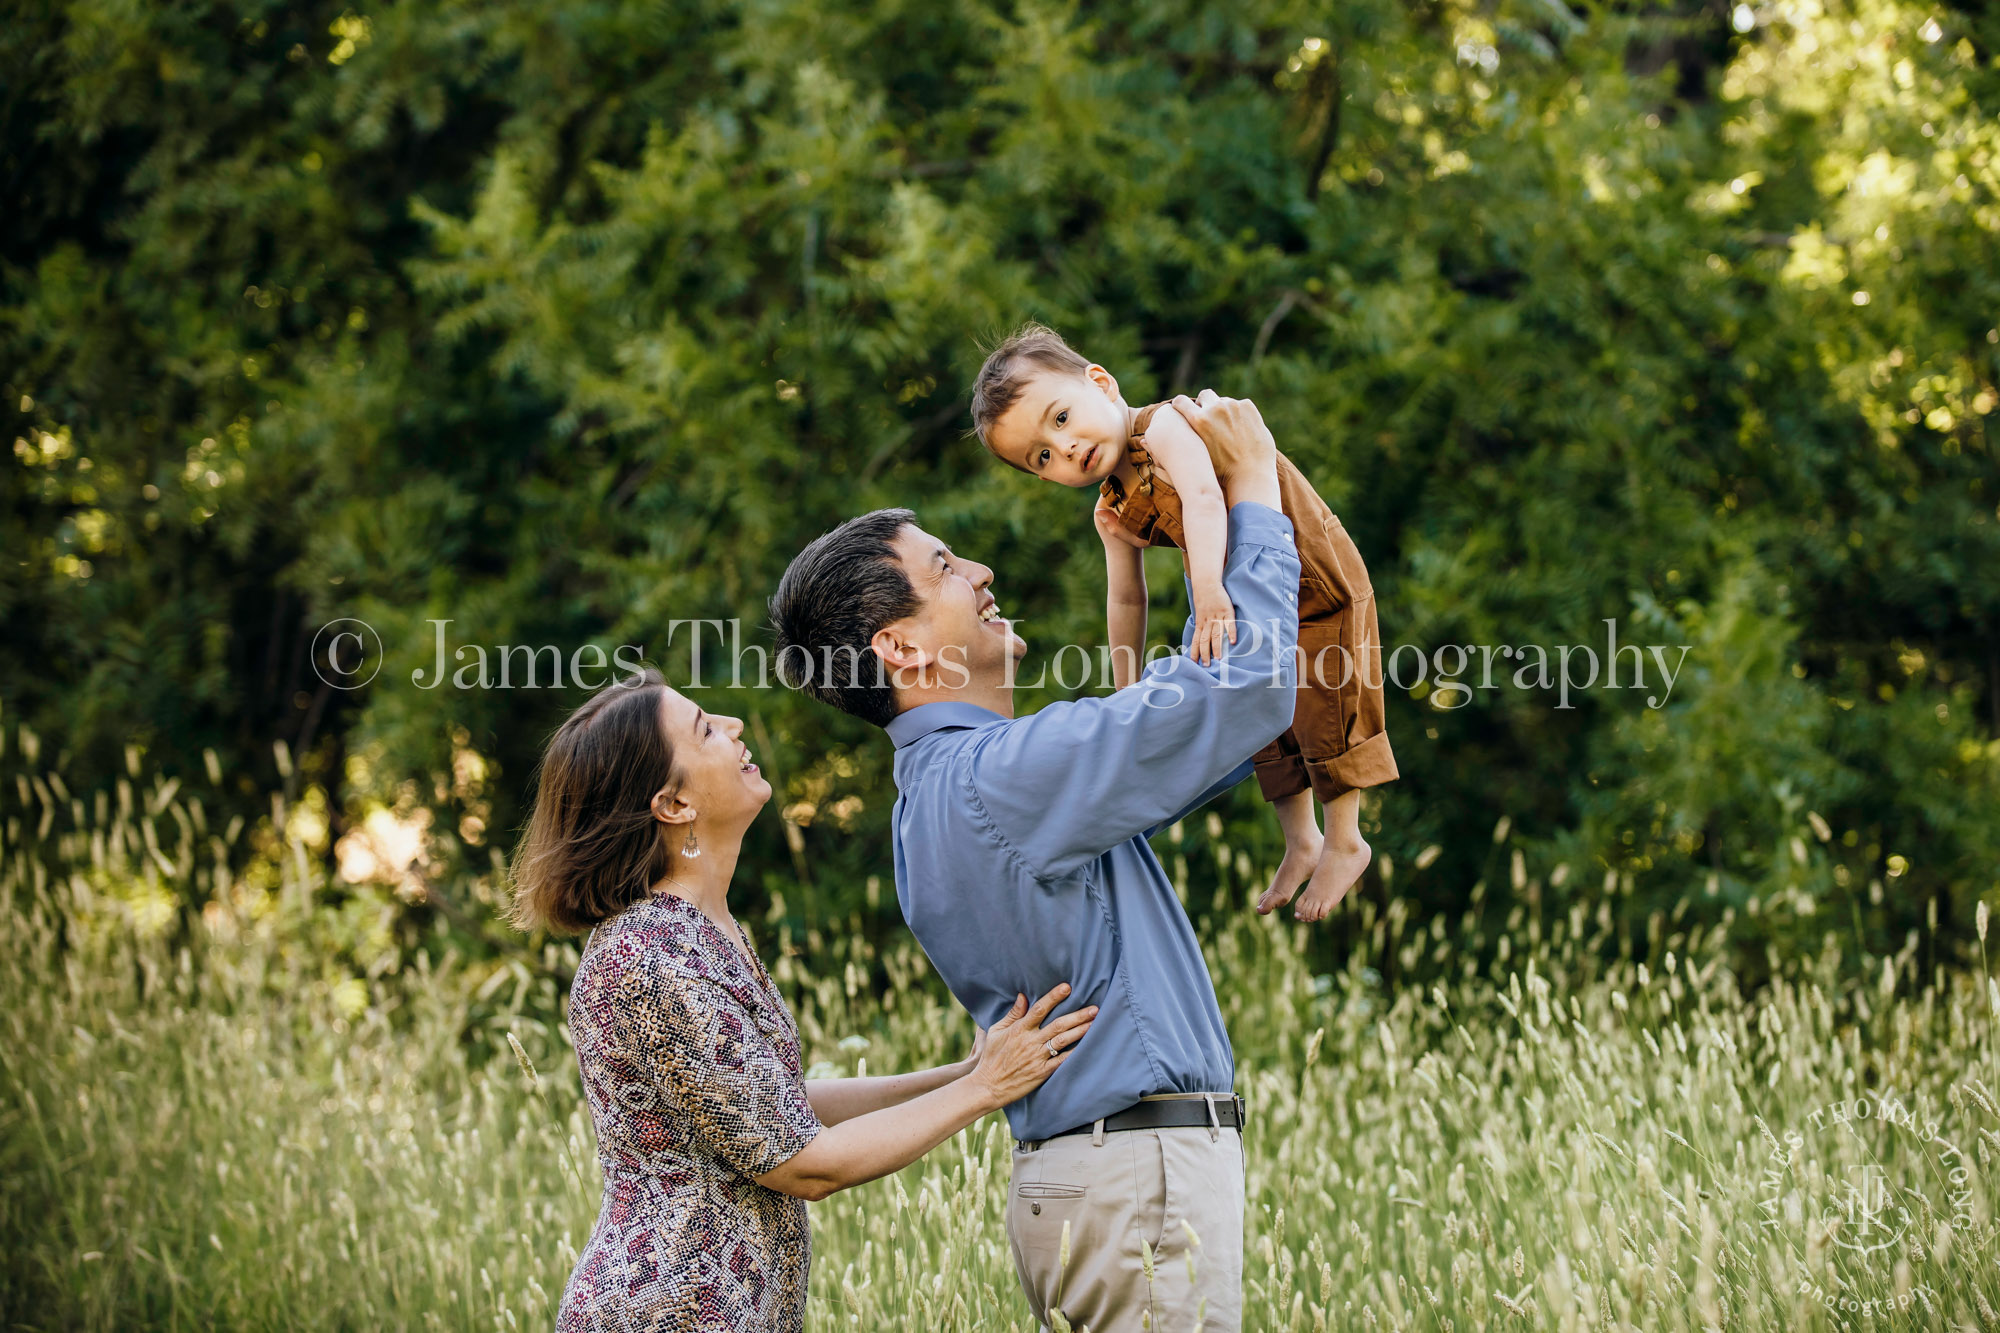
[(225, 1121)]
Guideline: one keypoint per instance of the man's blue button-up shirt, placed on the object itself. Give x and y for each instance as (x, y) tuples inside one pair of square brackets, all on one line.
[(1021, 853)]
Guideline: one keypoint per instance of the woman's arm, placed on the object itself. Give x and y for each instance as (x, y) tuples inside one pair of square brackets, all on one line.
[(1182, 455), (1016, 1062), (837, 1099), (871, 1146)]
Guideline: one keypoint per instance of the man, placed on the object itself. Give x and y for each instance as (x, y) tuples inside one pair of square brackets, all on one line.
[(1021, 860)]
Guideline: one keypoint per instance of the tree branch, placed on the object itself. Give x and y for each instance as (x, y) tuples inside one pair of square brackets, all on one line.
[(1271, 322)]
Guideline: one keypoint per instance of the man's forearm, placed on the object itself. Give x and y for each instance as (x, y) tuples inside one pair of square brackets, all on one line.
[(1255, 484), (1057, 783)]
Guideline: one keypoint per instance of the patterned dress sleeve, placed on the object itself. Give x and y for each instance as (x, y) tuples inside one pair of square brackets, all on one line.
[(722, 1076)]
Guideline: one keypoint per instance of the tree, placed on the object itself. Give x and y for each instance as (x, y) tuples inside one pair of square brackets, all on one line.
[(567, 327)]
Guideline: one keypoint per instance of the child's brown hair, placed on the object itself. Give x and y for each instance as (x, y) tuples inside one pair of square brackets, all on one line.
[(1026, 351)]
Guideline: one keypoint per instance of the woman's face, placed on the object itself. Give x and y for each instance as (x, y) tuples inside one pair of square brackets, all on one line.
[(718, 780)]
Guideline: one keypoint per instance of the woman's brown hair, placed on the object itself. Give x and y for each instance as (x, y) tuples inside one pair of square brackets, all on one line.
[(592, 847)]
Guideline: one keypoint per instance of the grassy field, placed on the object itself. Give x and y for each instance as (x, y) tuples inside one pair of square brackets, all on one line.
[(277, 1118)]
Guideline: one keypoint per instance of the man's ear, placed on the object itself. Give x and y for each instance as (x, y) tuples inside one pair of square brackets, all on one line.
[(899, 651), (1104, 380)]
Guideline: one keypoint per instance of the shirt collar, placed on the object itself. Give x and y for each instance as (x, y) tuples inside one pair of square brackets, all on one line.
[(912, 725)]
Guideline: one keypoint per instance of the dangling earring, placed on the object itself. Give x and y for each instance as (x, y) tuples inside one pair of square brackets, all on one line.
[(690, 849)]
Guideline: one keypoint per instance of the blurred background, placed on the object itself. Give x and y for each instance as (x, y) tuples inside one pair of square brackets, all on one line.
[(563, 322)]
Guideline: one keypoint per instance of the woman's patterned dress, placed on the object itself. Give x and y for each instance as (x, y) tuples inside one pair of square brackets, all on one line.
[(690, 1061)]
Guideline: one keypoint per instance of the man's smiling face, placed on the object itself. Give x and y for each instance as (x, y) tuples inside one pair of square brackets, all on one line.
[(960, 629)]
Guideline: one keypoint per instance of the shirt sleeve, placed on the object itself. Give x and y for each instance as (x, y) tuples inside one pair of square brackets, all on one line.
[(1227, 780), (1223, 784), (718, 1071), (1066, 784)]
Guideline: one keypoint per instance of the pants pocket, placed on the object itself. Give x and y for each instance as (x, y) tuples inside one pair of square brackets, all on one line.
[(1092, 1192), (1037, 1209)]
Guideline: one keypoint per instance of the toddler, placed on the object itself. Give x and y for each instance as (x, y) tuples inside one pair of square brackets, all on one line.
[(1042, 408)]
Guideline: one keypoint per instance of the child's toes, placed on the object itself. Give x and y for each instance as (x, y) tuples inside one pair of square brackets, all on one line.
[(1336, 873), (1284, 886), (1274, 898), (1293, 871)]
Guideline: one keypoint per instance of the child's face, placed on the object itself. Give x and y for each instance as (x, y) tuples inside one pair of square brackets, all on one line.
[(1064, 428)]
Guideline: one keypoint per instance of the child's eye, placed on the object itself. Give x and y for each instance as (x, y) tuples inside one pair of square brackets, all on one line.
[(1043, 461), (1062, 416)]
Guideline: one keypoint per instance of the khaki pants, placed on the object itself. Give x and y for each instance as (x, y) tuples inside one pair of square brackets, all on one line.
[(1113, 1192)]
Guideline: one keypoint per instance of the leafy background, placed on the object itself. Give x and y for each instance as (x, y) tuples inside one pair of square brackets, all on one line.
[(564, 322)]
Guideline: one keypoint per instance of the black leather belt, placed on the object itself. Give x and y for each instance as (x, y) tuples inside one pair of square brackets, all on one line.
[(1228, 1110)]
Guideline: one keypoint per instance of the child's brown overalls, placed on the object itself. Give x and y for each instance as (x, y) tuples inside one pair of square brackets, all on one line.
[(1338, 739)]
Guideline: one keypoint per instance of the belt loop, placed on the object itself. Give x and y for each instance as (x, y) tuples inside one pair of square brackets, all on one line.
[(1214, 1121), (1097, 1135)]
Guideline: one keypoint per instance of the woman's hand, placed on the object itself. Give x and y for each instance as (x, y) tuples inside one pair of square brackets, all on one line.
[(1019, 1053), (971, 1062), (1013, 1060)]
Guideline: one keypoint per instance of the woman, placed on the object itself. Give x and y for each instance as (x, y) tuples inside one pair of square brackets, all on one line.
[(709, 1138)]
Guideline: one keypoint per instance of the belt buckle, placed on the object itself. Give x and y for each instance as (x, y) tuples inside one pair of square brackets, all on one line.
[(1242, 1110)]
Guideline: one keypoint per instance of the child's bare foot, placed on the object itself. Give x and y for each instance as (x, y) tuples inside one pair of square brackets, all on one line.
[(1300, 859), (1338, 870), (1302, 850)]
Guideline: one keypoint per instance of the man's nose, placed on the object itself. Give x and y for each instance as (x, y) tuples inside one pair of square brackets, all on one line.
[(983, 578)]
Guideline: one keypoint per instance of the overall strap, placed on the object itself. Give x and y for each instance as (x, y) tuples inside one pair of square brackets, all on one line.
[(1135, 449)]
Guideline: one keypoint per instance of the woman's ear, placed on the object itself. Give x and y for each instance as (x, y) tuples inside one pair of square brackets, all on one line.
[(671, 807)]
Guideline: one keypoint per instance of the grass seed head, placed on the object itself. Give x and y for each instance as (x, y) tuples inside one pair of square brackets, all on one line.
[(521, 1058)]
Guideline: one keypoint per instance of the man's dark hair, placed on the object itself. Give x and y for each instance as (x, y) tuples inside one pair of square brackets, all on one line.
[(834, 596)]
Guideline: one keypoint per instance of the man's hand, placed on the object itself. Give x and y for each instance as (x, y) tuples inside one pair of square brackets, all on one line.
[(1239, 444)]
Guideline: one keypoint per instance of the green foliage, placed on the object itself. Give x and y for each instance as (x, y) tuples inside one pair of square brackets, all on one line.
[(567, 323), (224, 1126)]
